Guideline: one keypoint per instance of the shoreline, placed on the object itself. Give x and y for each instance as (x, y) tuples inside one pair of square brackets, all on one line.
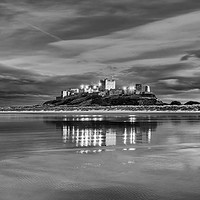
[(99, 112)]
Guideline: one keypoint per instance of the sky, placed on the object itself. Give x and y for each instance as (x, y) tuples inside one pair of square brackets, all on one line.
[(50, 45)]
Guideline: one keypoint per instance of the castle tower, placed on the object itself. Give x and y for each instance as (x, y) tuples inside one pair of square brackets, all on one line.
[(147, 89)]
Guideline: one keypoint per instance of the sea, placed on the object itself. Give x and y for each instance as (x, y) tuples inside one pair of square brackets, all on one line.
[(100, 156)]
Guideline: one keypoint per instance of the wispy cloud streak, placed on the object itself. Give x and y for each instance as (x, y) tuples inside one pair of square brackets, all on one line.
[(43, 31)]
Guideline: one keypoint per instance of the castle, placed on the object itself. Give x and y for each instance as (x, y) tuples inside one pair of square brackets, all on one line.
[(106, 87)]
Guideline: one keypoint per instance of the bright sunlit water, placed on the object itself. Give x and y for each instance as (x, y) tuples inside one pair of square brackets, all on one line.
[(58, 156)]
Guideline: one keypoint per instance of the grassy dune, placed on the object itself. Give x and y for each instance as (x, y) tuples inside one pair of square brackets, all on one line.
[(152, 108)]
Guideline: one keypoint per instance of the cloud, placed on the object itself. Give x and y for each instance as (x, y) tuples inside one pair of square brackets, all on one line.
[(191, 54), (80, 19), (145, 41), (170, 82), (21, 86), (18, 80)]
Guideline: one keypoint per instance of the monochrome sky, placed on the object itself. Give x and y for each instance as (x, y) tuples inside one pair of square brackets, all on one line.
[(49, 45)]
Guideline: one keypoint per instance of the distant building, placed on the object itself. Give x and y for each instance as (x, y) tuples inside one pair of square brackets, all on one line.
[(69, 92), (107, 87), (87, 89), (74, 91), (64, 93), (138, 88), (107, 84), (143, 88), (110, 84), (90, 88), (102, 85), (147, 89)]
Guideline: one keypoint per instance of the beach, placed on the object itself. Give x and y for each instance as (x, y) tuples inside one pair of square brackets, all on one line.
[(106, 156), (100, 100), (113, 175)]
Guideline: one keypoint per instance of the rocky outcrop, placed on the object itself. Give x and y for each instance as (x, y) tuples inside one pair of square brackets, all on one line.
[(96, 100)]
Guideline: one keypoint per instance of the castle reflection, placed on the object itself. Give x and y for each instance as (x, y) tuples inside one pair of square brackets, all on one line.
[(93, 131)]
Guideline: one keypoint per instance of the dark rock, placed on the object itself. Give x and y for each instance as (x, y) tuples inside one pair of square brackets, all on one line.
[(175, 103), (95, 100), (192, 103)]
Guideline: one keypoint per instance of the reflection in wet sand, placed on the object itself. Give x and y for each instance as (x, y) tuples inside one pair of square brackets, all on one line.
[(97, 133), (88, 137)]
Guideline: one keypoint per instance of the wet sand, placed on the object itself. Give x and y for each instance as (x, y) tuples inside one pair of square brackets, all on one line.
[(156, 173), (59, 157)]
